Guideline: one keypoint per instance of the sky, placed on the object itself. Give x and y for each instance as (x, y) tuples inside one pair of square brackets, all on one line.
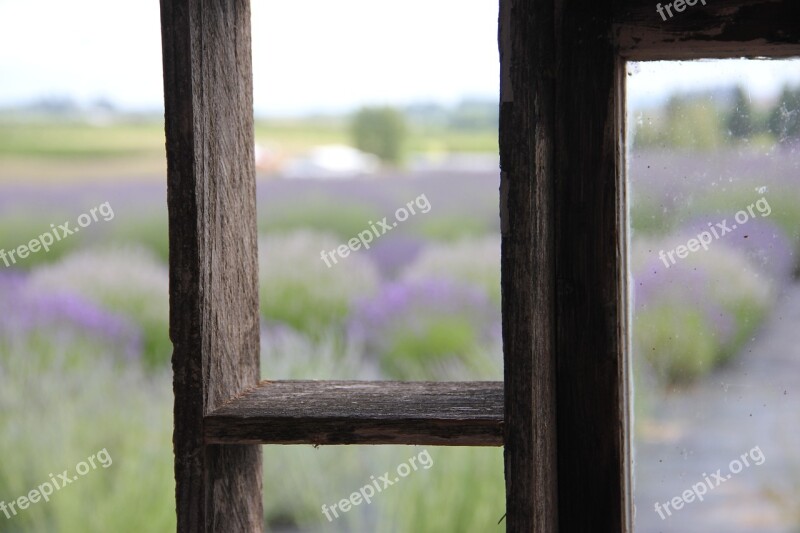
[(308, 55), (651, 82)]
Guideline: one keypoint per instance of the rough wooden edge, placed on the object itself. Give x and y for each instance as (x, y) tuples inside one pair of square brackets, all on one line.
[(720, 29), (213, 269), (527, 132), (592, 423), (625, 377), (362, 412)]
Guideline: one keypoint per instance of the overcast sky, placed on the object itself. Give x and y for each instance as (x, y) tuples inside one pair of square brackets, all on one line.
[(309, 55)]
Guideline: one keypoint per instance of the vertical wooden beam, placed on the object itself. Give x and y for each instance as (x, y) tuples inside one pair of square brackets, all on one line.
[(593, 426), (527, 134), (214, 323)]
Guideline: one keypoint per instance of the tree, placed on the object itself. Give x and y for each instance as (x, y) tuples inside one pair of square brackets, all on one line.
[(381, 131), (740, 118), (784, 121), (692, 122)]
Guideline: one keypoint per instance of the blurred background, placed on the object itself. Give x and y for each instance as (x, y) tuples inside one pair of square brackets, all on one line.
[(359, 110), (716, 352)]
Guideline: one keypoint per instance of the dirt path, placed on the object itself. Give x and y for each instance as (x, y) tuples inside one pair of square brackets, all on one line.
[(755, 401)]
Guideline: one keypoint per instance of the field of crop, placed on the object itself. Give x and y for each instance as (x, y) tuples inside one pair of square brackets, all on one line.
[(54, 151), (89, 329)]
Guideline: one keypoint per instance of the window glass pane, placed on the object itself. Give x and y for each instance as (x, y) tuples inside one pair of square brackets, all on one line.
[(714, 167)]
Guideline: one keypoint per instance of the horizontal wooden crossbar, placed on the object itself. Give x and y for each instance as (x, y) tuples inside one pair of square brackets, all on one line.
[(361, 412), (728, 29)]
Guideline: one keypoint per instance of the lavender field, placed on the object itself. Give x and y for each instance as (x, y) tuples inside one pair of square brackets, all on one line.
[(88, 333), (714, 344), (84, 353)]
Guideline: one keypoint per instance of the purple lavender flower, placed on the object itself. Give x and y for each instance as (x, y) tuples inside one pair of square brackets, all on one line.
[(696, 313), (415, 328), (395, 253), (655, 285), (763, 242), (62, 315)]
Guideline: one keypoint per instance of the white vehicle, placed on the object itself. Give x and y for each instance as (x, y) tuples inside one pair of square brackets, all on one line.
[(332, 162)]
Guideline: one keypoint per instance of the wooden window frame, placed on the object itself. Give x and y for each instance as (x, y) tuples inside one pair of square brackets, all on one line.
[(562, 411)]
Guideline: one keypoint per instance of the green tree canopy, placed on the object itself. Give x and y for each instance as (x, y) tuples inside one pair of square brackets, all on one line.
[(381, 131), (740, 117), (784, 120)]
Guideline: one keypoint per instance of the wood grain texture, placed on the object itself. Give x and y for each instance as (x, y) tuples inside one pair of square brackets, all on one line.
[(719, 29), (564, 225), (358, 412), (214, 322), (590, 251), (527, 149), (563, 267)]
